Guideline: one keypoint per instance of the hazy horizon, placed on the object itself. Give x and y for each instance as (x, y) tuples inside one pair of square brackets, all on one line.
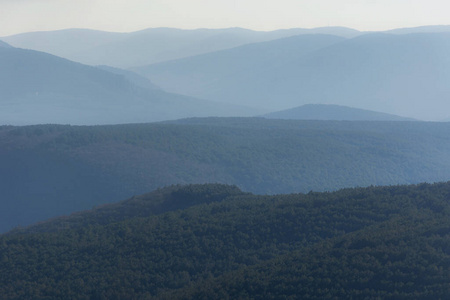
[(224, 28), (128, 16)]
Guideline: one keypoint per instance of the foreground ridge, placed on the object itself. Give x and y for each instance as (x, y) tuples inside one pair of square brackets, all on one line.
[(218, 242)]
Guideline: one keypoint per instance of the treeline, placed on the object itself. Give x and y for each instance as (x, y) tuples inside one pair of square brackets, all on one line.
[(375, 242)]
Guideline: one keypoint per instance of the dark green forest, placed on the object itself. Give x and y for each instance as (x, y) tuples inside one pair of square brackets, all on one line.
[(53, 170), (214, 241)]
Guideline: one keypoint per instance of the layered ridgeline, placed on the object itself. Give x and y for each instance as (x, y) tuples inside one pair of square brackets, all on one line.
[(216, 242), (238, 68), (36, 87), (51, 170), (125, 50), (401, 74)]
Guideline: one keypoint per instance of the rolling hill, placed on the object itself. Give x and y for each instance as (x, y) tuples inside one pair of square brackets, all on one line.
[(401, 74), (216, 242), (332, 112), (125, 50), (36, 87), (52, 170)]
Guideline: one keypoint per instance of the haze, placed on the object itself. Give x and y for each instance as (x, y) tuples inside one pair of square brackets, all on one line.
[(18, 16)]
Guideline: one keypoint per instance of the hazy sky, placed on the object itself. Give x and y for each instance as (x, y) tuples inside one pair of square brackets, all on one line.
[(129, 15)]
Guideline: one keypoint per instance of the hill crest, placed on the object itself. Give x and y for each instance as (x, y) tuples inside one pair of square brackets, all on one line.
[(333, 112)]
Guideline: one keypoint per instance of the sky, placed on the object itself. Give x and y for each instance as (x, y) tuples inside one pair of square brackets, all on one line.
[(17, 16)]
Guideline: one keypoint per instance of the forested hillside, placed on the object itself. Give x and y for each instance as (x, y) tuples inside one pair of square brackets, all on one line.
[(216, 242), (51, 170)]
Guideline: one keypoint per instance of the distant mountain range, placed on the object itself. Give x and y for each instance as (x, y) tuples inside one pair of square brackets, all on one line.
[(36, 87), (402, 74), (219, 74), (332, 112), (151, 45)]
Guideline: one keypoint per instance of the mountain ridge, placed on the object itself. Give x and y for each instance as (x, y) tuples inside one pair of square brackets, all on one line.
[(333, 112), (151, 45), (38, 87), (241, 62), (377, 71)]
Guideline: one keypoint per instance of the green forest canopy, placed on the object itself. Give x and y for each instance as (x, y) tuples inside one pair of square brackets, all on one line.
[(376, 242)]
